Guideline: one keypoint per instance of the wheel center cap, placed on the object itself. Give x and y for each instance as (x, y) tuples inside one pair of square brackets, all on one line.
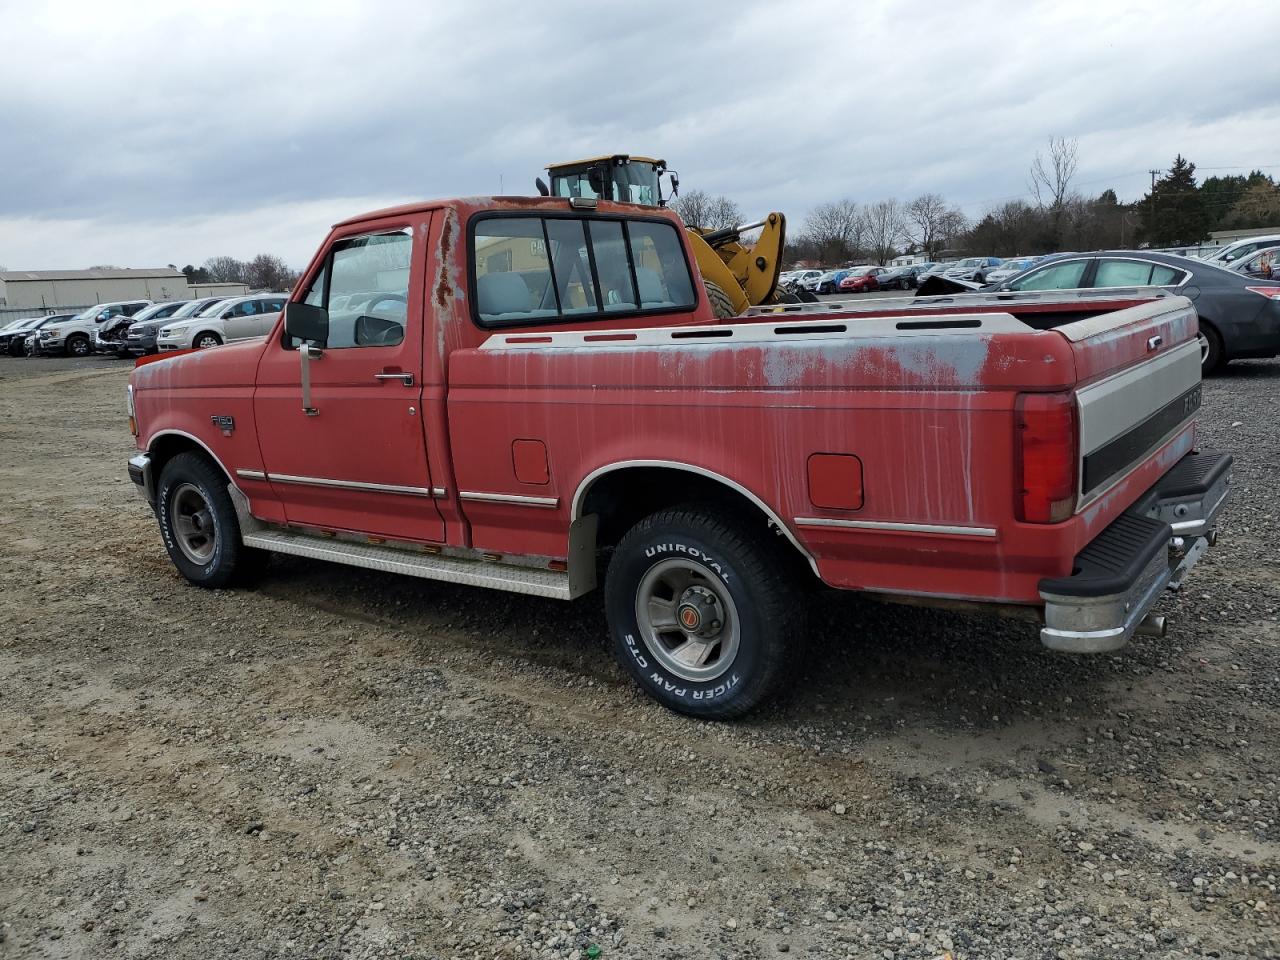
[(699, 613)]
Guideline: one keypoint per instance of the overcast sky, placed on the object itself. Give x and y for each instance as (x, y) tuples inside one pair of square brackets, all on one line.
[(140, 134)]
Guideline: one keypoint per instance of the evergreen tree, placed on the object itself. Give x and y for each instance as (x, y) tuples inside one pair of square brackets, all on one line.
[(1173, 213)]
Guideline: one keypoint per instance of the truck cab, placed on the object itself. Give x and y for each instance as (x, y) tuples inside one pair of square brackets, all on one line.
[(501, 391)]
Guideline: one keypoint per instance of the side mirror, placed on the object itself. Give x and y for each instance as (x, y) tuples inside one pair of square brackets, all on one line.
[(306, 322)]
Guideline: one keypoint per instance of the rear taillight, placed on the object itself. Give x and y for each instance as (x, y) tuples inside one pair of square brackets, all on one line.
[(1271, 293), (1046, 456)]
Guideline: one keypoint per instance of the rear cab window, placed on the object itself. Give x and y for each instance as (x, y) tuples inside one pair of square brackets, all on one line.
[(549, 268)]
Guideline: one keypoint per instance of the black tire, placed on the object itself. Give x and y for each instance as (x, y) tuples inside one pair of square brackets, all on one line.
[(200, 340), (784, 296), (979, 278), (191, 476), (78, 345), (904, 284), (1211, 355), (721, 305), (755, 591)]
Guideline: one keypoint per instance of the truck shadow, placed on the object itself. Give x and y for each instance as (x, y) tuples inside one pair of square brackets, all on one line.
[(874, 663)]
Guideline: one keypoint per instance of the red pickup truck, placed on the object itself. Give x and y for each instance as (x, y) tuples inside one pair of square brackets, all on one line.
[(502, 392)]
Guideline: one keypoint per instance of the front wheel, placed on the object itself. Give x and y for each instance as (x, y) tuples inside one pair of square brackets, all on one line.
[(204, 341), (78, 346), (199, 525), (704, 611)]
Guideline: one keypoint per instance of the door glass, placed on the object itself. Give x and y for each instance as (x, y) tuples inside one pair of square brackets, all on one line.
[(1059, 276), (369, 293), (1122, 273)]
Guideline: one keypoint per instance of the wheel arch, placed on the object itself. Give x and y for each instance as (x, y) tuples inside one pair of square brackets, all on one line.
[(164, 445), (195, 337), (660, 484)]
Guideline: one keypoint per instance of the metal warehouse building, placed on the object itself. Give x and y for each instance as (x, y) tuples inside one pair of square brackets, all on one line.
[(66, 288)]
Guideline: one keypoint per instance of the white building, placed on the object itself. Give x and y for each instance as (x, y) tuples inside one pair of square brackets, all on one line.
[(43, 289)]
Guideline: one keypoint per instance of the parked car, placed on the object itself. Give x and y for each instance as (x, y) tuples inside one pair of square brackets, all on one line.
[(14, 336), (1263, 264), (903, 277), (140, 337), (112, 335), (238, 318), (973, 268), (1239, 316), (1010, 269), (30, 341), (1232, 252), (799, 278), (827, 282), (74, 337), (1027, 457), (862, 279)]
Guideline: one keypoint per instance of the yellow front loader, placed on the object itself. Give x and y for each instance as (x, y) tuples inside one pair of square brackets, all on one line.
[(736, 276)]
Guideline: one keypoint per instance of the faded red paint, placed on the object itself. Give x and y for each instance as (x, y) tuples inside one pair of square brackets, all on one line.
[(930, 418)]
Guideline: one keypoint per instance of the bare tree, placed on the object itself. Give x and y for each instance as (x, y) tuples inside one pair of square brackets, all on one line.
[(226, 270), (884, 229), (266, 272), (698, 208), (1052, 179), (929, 223), (836, 230)]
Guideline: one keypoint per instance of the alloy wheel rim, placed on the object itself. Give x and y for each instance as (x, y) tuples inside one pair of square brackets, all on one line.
[(687, 620), (193, 525)]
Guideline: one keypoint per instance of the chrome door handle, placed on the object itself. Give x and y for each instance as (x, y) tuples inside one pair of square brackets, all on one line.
[(405, 378)]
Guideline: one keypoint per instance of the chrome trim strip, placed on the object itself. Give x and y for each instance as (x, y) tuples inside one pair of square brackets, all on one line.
[(580, 495), (438, 491), (351, 485), (887, 526), (251, 474), (508, 498)]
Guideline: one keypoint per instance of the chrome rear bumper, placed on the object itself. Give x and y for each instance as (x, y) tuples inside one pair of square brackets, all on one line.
[(1150, 548)]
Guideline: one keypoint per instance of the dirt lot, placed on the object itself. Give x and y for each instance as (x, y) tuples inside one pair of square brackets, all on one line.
[(346, 764)]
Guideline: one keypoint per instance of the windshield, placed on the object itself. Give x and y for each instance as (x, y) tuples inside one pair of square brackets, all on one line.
[(630, 183), (209, 308), (88, 314)]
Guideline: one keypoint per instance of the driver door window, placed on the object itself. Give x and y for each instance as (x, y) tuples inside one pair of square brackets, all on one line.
[(365, 288)]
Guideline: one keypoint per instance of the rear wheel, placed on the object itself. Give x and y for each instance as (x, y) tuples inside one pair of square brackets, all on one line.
[(704, 611), (199, 524), (721, 305), (1210, 348), (205, 340)]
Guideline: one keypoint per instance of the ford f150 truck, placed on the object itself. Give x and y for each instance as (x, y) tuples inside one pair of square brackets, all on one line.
[(503, 391)]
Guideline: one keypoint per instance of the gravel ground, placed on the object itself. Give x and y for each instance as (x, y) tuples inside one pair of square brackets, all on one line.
[(347, 764)]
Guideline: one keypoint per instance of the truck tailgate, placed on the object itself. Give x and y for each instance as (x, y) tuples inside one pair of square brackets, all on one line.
[(1139, 371)]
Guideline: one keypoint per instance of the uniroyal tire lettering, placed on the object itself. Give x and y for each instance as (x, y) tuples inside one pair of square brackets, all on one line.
[(691, 552)]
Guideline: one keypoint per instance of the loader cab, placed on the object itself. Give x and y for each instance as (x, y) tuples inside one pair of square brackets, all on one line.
[(622, 178)]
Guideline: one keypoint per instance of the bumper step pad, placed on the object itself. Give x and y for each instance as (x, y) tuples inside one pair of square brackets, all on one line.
[(1119, 576)]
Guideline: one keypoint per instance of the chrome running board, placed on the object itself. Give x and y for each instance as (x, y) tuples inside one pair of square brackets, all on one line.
[(534, 581)]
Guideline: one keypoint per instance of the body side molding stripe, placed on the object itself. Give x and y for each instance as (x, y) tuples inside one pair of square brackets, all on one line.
[(888, 526), (342, 484), (477, 496)]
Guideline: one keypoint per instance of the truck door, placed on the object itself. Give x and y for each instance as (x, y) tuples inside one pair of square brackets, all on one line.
[(356, 459)]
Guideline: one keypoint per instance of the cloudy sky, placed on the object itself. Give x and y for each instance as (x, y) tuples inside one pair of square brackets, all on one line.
[(142, 134)]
